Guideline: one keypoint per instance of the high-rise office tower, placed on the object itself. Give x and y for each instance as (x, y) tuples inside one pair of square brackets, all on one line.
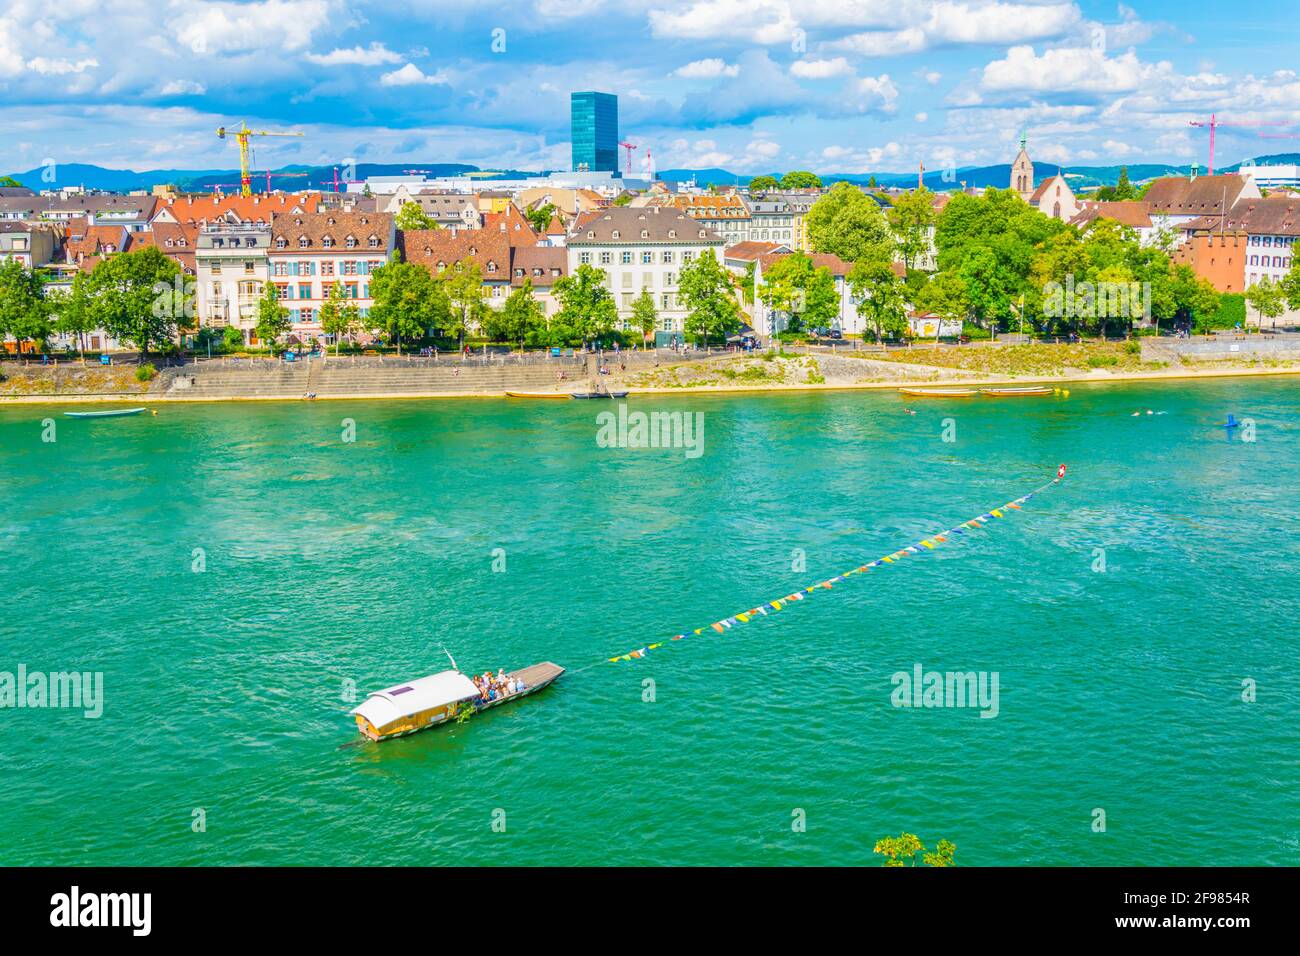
[(595, 131)]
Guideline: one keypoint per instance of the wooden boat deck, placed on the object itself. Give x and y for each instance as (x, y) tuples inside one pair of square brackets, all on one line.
[(535, 678)]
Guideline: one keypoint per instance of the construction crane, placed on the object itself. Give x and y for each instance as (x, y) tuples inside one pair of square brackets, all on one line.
[(1279, 135), (241, 136), (631, 148), (1215, 123), (345, 182), (269, 174)]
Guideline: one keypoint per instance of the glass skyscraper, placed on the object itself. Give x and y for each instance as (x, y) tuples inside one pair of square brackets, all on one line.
[(595, 131)]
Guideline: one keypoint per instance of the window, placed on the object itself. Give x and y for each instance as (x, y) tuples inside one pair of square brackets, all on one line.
[(614, 234), (626, 258), (687, 257), (306, 315), (584, 258), (328, 242), (248, 267), (647, 258), (606, 258), (280, 242), (304, 290), (374, 242), (351, 242), (327, 267), (280, 269), (668, 255), (349, 267), (303, 242), (216, 267)]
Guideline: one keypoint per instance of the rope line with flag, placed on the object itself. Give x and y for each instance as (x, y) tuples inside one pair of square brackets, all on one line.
[(925, 544)]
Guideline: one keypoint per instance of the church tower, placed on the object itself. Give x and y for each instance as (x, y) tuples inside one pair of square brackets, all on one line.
[(1022, 172)]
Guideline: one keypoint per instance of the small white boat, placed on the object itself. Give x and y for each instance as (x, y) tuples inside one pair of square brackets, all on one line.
[(110, 413)]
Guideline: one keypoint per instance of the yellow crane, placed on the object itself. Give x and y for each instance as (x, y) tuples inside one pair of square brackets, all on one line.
[(241, 136)]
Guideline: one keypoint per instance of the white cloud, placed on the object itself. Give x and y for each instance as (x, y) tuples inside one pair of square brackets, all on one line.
[(221, 28), (412, 75), (876, 92), (820, 69), (922, 26), (48, 67), (921, 117), (933, 77), (374, 55), (1071, 69), (707, 69), (182, 88)]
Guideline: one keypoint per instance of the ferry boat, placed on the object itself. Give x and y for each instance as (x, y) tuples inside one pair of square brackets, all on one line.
[(438, 698)]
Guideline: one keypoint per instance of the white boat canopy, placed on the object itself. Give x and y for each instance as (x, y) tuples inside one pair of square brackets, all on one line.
[(437, 690)]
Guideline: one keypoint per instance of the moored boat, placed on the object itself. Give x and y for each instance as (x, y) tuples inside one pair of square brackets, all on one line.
[(1026, 391), (940, 392), (551, 395), (107, 413), (438, 698)]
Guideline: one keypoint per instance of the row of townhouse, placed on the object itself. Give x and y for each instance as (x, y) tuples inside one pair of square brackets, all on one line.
[(779, 217), (1253, 241)]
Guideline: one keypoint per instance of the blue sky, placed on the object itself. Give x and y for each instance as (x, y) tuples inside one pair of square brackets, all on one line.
[(749, 85)]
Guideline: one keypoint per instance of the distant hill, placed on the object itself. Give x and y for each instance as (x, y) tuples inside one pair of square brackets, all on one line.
[(124, 180), (321, 177)]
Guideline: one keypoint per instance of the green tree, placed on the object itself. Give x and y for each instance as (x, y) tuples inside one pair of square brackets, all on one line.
[(407, 301), (848, 223), (272, 317), (1196, 301), (339, 316), (24, 310), (1290, 284), (903, 849), (1268, 299), (912, 218), (762, 184), (706, 290), (880, 294), (462, 284), (137, 297), (644, 317), (1123, 188), (541, 217), (587, 309), (521, 319), (800, 179), (10, 182), (74, 312), (945, 296), (412, 216)]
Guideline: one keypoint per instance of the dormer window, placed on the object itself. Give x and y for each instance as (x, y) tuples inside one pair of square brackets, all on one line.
[(590, 234), (703, 233), (491, 266), (614, 234), (374, 242), (303, 242), (351, 242), (672, 233), (329, 220), (328, 242), (645, 233), (280, 242)]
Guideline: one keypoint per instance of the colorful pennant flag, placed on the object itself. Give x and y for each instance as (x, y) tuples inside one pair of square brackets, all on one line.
[(929, 544)]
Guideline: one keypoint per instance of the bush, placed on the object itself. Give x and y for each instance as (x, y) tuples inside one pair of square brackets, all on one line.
[(145, 373), (1231, 312), (975, 332), (1099, 361), (1133, 348)]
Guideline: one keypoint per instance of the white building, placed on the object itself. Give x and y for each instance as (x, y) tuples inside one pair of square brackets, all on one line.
[(230, 265), (642, 249)]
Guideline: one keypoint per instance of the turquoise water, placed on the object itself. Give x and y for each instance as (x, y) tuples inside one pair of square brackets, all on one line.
[(329, 561)]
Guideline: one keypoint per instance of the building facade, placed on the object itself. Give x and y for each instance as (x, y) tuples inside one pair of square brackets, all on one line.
[(230, 274), (309, 253), (640, 249), (594, 119)]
